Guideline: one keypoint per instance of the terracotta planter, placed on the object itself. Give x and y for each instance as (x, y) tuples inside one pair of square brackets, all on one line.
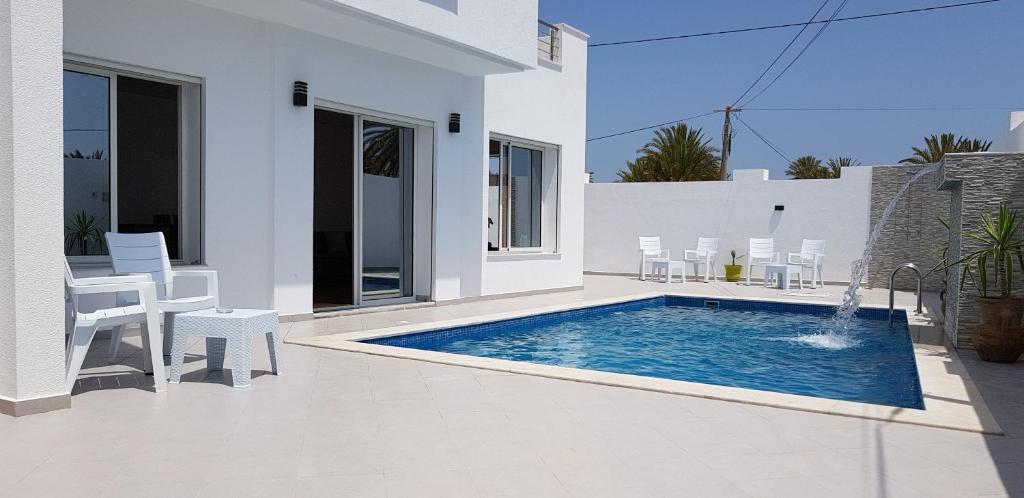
[(732, 273), (999, 336)]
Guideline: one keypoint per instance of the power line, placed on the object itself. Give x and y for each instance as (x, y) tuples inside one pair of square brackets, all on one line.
[(659, 125), (784, 50), (794, 24), (799, 54), (879, 109), (765, 140)]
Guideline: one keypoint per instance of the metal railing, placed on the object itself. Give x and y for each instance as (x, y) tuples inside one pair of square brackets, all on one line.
[(549, 41), (892, 289)]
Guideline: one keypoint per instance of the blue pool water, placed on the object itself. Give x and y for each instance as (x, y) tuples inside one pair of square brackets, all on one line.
[(755, 345)]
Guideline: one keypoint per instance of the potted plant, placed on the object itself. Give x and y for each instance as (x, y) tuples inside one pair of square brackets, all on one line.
[(999, 335), (733, 271), (82, 232)]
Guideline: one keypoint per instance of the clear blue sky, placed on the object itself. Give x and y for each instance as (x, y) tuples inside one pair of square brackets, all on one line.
[(965, 57)]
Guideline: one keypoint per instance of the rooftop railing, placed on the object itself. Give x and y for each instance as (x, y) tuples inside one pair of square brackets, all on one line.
[(549, 42)]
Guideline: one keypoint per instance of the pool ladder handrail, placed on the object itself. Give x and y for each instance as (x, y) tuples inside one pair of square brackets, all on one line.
[(892, 290)]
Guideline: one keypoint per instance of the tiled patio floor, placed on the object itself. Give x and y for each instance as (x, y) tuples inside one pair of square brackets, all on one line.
[(347, 424)]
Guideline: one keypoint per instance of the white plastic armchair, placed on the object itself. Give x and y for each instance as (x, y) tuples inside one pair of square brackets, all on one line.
[(811, 255), (761, 252), (83, 326), (146, 253), (650, 250), (704, 254)]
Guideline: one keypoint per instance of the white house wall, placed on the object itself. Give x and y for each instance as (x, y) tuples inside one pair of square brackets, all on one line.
[(494, 26), (545, 105), (258, 162), (31, 189), (258, 147), (734, 211)]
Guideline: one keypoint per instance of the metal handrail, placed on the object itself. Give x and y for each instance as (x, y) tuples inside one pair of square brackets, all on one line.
[(548, 41), (892, 290)]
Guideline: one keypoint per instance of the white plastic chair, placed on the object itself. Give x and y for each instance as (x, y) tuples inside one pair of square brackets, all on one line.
[(761, 252), (704, 254), (83, 326), (146, 253), (650, 250), (811, 255)]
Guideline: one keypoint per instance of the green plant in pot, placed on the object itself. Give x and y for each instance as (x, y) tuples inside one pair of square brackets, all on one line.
[(999, 335), (82, 232), (733, 271)]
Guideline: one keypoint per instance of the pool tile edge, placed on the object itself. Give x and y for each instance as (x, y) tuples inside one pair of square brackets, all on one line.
[(952, 401)]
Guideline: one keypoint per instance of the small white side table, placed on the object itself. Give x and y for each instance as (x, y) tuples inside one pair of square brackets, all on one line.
[(668, 265), (233, 332), (782, 274)]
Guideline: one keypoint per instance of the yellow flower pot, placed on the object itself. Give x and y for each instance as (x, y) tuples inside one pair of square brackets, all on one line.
[(732, 273)]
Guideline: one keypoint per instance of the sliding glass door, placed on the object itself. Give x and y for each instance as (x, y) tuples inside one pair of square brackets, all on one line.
[(386, 210), (363, 217)]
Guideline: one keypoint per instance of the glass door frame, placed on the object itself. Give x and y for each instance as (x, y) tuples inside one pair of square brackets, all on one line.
[(361, 115), (111, 71)]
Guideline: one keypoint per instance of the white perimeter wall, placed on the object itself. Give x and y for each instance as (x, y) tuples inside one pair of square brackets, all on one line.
[(734, 211), (549, 105)]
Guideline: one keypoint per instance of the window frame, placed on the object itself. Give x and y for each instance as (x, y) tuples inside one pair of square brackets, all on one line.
[(191, 105), (550, 178)]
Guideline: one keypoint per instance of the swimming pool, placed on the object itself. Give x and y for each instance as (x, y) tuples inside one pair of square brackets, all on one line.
[(729, 342)]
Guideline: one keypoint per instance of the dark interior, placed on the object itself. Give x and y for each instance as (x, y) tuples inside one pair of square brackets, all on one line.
[(333, 162), (148, 158)]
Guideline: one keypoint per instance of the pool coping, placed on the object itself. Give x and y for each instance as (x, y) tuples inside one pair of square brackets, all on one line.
[(952, 400)]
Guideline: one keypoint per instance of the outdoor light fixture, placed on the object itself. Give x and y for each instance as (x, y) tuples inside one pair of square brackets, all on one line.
[(454, 122), (300, 91), (780, 207)]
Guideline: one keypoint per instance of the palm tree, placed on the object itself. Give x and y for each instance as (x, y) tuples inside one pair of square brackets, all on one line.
[(676, 154), (836, 164), (806, 167), (937, 146)]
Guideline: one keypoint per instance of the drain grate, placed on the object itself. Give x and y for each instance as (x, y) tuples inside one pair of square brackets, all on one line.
[(708, 303)]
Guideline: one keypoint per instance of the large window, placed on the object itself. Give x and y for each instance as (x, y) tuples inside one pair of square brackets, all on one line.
[(131, 160), (522, 194)]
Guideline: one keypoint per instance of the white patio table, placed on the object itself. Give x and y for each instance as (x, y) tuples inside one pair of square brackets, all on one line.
[(231, 331), (782, 273)]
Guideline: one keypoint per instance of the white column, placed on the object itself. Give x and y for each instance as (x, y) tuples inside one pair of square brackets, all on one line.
[(31, 207)]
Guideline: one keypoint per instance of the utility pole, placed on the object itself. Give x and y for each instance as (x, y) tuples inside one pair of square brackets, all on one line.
[(726, 141)]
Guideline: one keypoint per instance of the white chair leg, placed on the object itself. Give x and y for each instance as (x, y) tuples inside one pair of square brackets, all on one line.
[(707, 268), (81, 338), (750, 268), (641, 275), (152, 343), (116, 334)]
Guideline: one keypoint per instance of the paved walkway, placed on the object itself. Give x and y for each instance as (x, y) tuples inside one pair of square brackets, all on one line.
[(346, 424)]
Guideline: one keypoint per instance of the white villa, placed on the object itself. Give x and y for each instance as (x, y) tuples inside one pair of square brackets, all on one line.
[(319, 154)]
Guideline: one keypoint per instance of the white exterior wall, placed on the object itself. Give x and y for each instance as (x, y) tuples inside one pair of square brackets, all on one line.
[(1013, 139), (495, 26), (837, 211), (544, 105), (31, 199), (258, 147)]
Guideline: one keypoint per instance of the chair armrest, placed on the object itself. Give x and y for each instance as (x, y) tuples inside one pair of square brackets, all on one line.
[(113, 279), (687, 253), (209, 275), (112, 287), (794, 258)]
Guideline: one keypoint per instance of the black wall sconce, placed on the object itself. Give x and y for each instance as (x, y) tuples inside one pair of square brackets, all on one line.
[(454, 122), (780, 207), (300, 93)]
